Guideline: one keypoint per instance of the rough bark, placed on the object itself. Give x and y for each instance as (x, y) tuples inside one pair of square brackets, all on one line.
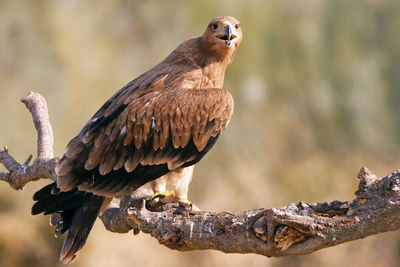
[(291, 230), (44, 164)]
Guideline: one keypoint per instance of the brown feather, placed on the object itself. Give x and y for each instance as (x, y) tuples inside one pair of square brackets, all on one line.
[(95, 155), (106, 202), (90, 165), (107, 165), (64, 166), (98, 142), (88, 137), (115, 131), (75, 146), (132, 161), (121, 161), (109, 128), (128, 138)]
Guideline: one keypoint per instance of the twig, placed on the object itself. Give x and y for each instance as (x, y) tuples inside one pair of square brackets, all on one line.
[(44, 165)]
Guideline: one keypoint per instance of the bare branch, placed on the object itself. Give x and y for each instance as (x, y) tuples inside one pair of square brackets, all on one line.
[(38, 107), (44, 164), (295, 229)]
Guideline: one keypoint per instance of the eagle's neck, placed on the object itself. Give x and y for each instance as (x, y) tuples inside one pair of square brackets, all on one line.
[(213, 75), (213, 64), (203, 66)]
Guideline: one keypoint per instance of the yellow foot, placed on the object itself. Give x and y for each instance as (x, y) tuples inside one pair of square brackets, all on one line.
[(163, 194), (163, 197)]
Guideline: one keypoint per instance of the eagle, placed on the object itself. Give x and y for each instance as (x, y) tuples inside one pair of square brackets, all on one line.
[(152, 131)]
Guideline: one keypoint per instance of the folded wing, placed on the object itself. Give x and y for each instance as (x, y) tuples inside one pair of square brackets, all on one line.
[(131, 143)]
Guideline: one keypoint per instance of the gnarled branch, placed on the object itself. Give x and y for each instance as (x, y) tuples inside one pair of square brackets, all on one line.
[(295, 229), (291, 230), (44, 165)]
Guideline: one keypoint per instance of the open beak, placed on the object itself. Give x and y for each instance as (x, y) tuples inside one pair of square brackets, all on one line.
[(227, 35)]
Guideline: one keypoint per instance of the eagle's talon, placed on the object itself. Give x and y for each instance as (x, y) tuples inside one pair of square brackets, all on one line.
[(162, 197), (159, 196), (193, 207), (187, 204)]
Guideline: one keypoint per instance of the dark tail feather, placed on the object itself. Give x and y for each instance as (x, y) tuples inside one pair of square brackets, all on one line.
[(79, 229), (74, 210)]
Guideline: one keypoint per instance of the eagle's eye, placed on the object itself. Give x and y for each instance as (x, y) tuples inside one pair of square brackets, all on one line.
[(214, 26), (237, 26)]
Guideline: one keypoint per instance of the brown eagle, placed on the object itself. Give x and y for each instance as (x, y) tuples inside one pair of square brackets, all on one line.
[(156, 127)]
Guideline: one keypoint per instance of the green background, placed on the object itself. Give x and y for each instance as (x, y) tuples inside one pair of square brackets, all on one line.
[(316, 87)]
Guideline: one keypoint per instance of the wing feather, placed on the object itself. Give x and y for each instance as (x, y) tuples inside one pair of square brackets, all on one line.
[(166, 129), (133, 160), (122, 158)]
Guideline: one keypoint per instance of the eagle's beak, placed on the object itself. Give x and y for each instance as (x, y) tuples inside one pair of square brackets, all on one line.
[(227, 35)]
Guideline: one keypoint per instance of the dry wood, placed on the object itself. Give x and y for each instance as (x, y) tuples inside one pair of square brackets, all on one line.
[(44, 165)]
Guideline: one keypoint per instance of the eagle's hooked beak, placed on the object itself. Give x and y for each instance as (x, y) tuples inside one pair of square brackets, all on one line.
[(227, 35)]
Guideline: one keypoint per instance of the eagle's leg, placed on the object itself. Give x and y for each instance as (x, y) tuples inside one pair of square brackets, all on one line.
[(173, 187), (160, 192)]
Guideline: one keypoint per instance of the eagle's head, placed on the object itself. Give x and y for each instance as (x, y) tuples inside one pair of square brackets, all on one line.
[(223, 35)]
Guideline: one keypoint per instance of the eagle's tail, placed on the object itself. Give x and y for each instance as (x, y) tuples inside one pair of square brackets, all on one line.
[(74, 210)]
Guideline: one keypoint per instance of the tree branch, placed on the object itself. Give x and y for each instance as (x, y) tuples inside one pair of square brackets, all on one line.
[(291, 230), (44, 165)]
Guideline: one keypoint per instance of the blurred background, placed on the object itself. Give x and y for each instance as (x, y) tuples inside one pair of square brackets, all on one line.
[(316, 87)]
